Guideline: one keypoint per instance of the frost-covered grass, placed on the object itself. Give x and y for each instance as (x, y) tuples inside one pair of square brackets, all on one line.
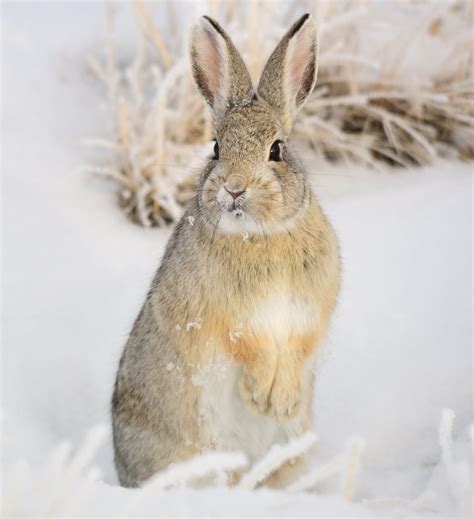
[(67, 486), (394, 84), (75, 271)]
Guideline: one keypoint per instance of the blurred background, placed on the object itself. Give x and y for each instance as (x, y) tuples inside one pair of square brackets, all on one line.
[(102, 138)]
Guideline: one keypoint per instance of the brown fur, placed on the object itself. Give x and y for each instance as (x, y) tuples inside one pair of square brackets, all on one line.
[(202, 301)]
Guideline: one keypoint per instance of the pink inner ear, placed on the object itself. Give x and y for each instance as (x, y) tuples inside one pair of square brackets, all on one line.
[(210, 59), (300, 54)]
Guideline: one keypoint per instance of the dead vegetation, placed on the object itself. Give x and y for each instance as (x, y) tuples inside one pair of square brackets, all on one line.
[(395, 86)]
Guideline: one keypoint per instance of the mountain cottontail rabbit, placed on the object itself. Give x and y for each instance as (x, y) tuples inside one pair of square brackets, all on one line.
[(220, 356)]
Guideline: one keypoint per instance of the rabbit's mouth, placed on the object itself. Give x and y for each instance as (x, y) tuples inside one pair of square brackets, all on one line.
[(236, 210), (252, 206), (231, 202)]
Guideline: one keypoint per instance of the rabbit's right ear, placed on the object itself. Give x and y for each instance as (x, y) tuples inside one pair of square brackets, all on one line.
[(290, 73), (218, 70)]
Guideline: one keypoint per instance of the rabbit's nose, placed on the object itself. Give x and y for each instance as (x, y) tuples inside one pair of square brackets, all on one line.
[(234, 194), (235, 186)]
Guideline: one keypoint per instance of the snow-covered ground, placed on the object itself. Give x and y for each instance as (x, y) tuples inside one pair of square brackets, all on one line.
[(75, 271)]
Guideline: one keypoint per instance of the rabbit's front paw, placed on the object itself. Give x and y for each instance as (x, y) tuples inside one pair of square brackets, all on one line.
[(285, 400), (255, 392)]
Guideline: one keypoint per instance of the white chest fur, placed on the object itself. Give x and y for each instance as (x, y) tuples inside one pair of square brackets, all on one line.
[(228, 424), (282, 315), (226, 421)]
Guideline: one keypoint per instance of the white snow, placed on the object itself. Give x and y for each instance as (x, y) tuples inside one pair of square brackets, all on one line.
[(75, 272), (194, 325)]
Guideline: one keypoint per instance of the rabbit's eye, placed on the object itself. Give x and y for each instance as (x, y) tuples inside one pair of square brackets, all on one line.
[(275, 151), (216, 150)]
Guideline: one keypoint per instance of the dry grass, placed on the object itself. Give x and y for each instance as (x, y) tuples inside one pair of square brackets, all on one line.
[(395, 86)]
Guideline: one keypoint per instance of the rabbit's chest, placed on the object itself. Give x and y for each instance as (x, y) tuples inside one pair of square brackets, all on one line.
[(282, 315)]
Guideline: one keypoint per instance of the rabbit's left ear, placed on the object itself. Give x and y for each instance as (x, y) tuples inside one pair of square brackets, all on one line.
[(218, 70), (290, 73)]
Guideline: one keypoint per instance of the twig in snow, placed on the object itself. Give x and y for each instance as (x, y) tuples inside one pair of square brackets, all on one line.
[(354, 450), (317, 475), (276, 457), (183, 473)]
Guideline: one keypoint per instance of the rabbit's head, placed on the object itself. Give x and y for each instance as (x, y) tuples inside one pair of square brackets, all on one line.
[(254, 182)]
